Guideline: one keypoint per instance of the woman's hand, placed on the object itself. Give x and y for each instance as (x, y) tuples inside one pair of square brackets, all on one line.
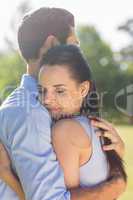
[(5, 163), (108, 130), (7, 175)]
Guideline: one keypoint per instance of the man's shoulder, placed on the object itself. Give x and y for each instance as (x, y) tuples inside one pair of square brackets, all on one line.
[(19, 100), (12, 102), (19, 104), (11, 98)]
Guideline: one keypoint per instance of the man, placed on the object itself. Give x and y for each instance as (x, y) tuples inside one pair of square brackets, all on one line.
[(25, 124)]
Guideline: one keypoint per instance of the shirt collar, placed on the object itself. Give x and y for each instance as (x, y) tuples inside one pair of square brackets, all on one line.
[(29, 83)]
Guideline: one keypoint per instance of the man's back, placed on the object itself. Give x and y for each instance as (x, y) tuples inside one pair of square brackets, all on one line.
[(25, 132)]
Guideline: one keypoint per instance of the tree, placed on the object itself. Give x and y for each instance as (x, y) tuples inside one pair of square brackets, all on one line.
[(11, 69), (101, 59), (127, 52), (11, 65)]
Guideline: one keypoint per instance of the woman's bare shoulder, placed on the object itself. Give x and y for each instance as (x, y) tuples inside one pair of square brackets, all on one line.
[(70, 130)]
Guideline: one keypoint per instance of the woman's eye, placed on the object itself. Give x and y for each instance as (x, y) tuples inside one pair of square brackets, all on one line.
[(39, 89), (60, 91), (42, 92)]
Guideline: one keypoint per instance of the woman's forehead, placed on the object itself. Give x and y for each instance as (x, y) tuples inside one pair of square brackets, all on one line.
[(56, 75)]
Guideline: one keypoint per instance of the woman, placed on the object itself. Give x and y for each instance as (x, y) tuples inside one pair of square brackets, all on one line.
[(67, 84), (66, 88)]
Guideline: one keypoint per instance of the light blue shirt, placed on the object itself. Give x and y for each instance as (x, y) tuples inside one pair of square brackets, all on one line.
[(25, 132)]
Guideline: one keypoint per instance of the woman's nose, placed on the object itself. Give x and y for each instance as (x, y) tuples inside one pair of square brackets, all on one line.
[(48, 98)]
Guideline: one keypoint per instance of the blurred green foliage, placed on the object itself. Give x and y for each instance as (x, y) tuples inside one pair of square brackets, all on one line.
[(107, 71), (11, 69)]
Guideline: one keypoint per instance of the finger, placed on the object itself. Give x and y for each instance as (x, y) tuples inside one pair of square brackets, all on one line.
[(110, 136), (98, 119), (103, 121), (106, 134), (98, 133), (100, 125), (110, 147), (1, 147), (109, 125)]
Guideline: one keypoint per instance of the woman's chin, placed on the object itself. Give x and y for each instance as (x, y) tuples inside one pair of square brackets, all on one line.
[(59, 116), (56, 116)]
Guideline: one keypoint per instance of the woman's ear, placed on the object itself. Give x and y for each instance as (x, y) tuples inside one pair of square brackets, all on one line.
[(85, 88)]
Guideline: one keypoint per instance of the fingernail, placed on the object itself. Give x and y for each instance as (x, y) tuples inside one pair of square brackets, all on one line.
[(98, 134), (92, 121)]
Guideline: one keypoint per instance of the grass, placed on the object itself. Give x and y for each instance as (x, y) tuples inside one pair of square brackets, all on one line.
[(126, 132)]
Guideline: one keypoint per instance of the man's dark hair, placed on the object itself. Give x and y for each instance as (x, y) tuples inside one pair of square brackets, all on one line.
[(38, 25)]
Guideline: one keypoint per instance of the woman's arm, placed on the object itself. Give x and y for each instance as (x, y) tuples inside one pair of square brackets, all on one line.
[(110, 189), (69, 140), (11, 180), (7, 175)]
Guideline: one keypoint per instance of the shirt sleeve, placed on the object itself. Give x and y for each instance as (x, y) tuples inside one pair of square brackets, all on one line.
[(34, 159)]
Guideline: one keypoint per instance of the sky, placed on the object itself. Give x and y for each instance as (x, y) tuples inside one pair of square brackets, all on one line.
[(105, 15)]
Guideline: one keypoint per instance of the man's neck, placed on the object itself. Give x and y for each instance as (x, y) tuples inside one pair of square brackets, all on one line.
[(33, 69)]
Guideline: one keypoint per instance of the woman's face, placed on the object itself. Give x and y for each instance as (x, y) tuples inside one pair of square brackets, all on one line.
[(61, 94)]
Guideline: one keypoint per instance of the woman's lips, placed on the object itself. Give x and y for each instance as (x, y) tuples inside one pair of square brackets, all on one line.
[(54, 109)]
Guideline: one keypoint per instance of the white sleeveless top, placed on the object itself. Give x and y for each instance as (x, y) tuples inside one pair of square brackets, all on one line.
[(96, 169)]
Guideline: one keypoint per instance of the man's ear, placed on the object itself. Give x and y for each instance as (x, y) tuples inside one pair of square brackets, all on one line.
[(84, 88), (50, 42)]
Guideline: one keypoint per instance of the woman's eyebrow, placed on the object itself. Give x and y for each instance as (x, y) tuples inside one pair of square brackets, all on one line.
[(58, 85)]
